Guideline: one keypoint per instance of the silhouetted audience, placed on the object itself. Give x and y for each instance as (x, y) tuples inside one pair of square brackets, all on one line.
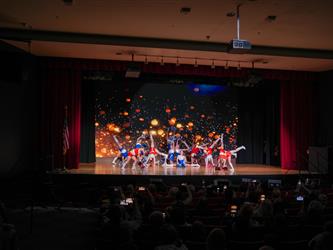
[(170, 239), (324, 240), (216, 240)]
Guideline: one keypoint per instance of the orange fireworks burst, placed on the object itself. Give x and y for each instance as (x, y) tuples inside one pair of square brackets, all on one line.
[(172, 121), (154, 122)]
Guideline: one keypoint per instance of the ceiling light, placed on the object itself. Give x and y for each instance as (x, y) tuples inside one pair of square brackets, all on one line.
[(213, 65), (195, 63), (146, 60), (162, 62), (239, 67), (177, 62)]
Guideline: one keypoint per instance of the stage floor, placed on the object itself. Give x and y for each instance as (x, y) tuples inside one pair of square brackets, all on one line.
[(103, 166)]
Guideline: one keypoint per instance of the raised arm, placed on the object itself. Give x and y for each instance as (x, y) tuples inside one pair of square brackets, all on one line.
[(140, 138), (216, 141), (222, 142), (202, 146), (237, 149), (152, 141), (117, 142), (186, 145)]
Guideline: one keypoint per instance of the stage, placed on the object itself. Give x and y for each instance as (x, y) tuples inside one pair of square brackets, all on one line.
[(103, 166), (104, 173)]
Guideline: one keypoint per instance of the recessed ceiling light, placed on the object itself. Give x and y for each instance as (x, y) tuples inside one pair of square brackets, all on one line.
[(185, 10)]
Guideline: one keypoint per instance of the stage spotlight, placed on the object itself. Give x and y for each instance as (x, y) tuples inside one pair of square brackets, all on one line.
[(239, 67), (162, 62), (146, 60)]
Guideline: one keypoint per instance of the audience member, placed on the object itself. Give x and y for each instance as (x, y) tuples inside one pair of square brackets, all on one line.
[(324, 240), (216, 240), (170, 239)]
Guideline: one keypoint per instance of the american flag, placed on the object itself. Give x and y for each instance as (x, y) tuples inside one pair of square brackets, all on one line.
[(65, 134)]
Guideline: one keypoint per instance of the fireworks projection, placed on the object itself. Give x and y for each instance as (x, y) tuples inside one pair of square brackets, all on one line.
[(192, 112)]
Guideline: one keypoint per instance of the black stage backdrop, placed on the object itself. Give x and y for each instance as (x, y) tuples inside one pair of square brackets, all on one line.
[(87, 143), (258, 110), (259, 124)]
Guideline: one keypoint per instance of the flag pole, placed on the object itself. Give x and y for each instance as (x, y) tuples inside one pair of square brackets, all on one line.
[(65, 136)]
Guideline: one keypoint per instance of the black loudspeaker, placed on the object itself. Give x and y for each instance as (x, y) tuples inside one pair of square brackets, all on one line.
[(320, 159)]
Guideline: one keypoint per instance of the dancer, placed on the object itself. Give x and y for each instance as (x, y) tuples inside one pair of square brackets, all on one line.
[(209, 153), (137, 154), (234, 153), (125, 156), (223, 156), (171, 153), (178, 149), (153, 152), (117, 159), (195, 154), (181, 160)]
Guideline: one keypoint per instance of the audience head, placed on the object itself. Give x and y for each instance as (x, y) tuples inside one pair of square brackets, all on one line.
[(169, 234), (266, 208), (115, 214), (198, 231), (329, 226), (315, 208), (276, 194), (246, 211), (156, 219), (216, 240)]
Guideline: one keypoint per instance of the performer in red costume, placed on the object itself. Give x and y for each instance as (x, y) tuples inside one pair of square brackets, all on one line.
[(209, 153), (225, 156), (153, 152)]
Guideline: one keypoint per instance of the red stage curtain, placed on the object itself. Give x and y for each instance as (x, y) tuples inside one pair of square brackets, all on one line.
[(60, 88), (296, 123)]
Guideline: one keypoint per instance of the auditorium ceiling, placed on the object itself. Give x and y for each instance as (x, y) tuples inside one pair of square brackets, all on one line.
[(292, 35)]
